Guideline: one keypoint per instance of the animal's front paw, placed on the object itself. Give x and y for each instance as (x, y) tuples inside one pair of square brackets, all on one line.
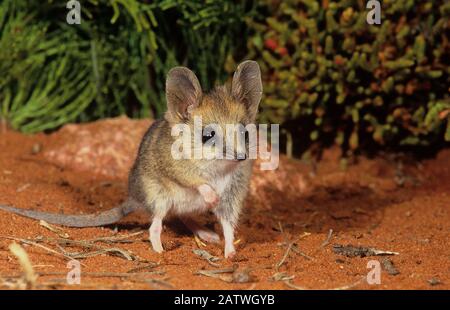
[(156, 243), (208, 194), (155, 235), (158, 248)]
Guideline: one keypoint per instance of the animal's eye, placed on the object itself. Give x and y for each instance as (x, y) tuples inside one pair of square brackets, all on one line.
[(207, 136)]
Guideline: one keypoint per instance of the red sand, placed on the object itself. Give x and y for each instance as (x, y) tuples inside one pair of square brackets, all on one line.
[(374, 203)]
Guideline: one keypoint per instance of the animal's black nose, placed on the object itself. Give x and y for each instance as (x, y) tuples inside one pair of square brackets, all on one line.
[(241, 156)]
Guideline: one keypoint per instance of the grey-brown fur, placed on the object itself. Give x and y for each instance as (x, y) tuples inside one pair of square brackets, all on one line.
[(164, 186), (89, 220)]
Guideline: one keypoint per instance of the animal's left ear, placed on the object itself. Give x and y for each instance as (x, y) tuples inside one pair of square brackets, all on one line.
[(247, 86)]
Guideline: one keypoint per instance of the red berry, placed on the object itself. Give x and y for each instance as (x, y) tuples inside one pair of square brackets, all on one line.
[(271, 44), (338, 60), (282, 51)]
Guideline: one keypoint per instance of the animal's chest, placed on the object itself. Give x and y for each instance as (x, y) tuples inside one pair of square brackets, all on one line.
[(222, 183), (190, 200)]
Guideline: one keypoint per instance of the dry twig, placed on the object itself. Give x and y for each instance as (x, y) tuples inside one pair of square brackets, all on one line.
[(30, 242), (327, 240), (345, 287), (61, 233), (29, 276)]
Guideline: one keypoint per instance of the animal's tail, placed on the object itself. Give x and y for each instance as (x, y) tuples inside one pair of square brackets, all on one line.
[(88, 220)]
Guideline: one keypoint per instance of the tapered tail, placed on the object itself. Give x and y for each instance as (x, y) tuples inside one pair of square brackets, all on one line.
[(88, 220)]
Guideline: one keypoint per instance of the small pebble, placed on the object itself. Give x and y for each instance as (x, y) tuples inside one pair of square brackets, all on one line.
[(434, 281), (37, 148)]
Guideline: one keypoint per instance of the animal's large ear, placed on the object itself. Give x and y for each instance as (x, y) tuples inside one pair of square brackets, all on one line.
[(183, 93), (247, 86)]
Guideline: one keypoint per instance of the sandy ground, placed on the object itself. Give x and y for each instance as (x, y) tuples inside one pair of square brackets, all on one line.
[(389, 203)]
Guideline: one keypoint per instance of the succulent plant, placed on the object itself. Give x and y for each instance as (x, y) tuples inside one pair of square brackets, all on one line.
[(329, 76)]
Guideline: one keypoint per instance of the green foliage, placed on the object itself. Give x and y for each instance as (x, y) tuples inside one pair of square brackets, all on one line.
[(205, 36), (331, 77), (115, 62)]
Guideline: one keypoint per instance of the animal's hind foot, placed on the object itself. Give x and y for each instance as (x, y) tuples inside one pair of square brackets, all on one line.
[(208, 236), (201, 232)]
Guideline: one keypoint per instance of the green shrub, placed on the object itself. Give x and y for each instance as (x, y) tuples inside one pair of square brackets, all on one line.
[(52, 72), (115, 62), (328, 75), (331, 77)]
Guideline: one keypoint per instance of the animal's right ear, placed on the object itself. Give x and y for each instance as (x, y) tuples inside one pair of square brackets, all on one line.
[(247, 86), (183, 93)]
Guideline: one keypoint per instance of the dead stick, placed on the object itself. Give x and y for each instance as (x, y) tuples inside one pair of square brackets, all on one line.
[(26, 241), (327, 241), (97, 274), (281, 262), (296, 250), (345, 287)]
